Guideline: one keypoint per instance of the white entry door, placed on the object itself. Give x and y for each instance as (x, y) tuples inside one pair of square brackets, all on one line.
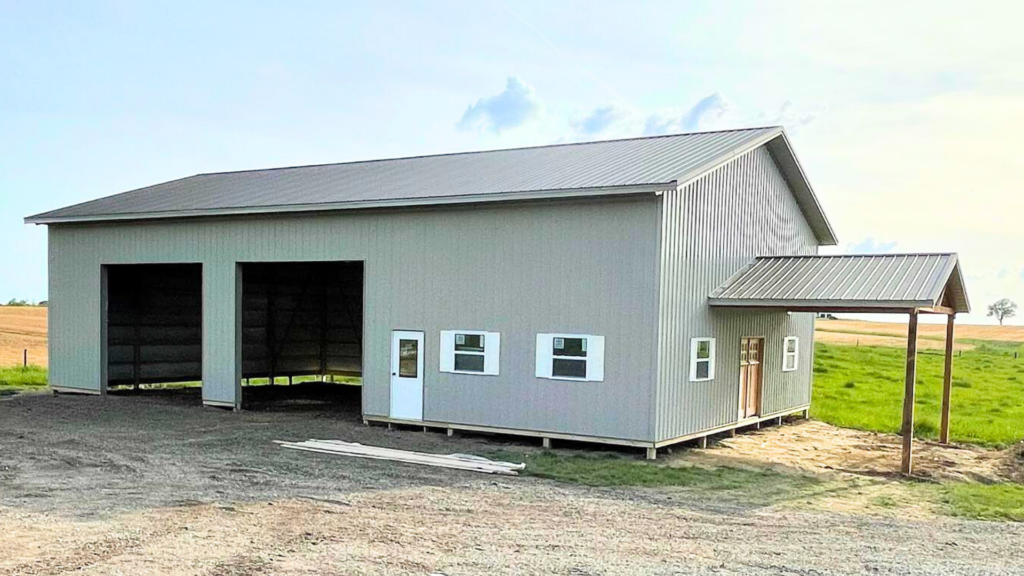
[(407, 375)]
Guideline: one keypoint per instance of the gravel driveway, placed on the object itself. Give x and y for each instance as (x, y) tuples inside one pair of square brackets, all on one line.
[(156, 484)]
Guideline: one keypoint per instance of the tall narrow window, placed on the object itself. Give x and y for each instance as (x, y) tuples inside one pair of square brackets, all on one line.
[(570, 357), (702, 359), (470, 352), (790, 354)]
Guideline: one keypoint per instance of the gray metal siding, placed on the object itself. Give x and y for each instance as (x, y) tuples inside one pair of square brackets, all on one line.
[(518, 269), (710, 229)]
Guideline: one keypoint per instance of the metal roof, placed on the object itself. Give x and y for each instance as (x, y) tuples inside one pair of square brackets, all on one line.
[(636, 165), (872, 282)]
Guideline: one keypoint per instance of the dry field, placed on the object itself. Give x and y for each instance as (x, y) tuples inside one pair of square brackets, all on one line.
[(834, 329), (21, 328)]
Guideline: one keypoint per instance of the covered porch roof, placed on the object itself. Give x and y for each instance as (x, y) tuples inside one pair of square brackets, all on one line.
[(860, 283), (874, 283)]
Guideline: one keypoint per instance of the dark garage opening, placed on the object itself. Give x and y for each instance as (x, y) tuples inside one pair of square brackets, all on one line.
[(154, 323), (302, 323)]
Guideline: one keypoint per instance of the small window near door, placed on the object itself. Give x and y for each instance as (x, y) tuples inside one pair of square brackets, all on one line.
[(570, 357), (470, 352), (702, 359), (790, 354), (408, 356)]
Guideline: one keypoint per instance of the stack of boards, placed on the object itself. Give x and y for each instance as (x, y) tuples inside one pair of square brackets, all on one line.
[(456, 461)]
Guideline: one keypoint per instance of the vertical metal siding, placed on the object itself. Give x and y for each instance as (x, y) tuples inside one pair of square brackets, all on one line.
[(581, 267), (711, 228)]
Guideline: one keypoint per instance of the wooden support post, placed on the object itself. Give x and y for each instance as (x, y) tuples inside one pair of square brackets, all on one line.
[(425, 429), (732, 433), (546, 443), (652, 453), (24, 358), (947, 380), (806, 413), (703, 442), (451, 432), (908, 396), (778, 421)]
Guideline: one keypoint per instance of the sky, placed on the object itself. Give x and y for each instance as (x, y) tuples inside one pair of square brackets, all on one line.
[(905, 115)]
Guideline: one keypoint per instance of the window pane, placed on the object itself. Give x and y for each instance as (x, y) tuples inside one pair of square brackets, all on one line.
[(469, 362), (704, 349), (569, 368), (790, 362), (790, 345), (754, 359), (408, 354), (702, 368), (569, 347), (469, 342)]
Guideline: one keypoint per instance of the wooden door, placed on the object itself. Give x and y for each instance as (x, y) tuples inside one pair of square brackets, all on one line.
[(750, 376)]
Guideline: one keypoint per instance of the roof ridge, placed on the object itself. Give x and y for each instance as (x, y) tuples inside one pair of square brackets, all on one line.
[(469, 152)]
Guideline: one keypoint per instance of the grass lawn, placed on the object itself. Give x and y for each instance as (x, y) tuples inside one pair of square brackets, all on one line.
[(22, 377), (615, 470), (862, 387), (984, 501)]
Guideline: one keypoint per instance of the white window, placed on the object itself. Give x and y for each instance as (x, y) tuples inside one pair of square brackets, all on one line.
[(702, 359), (790, 354), (570, 357), (470, 352)]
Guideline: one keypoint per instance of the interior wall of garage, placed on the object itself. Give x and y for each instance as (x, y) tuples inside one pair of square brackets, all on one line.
[(579, 267), (302, 318), (154, 323)]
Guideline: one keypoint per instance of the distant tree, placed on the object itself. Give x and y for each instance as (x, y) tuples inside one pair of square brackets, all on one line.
[(16, 302), (1002, 310), (42, 303)]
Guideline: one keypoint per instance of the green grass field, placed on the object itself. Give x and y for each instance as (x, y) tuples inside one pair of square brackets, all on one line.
[(862, 387), (22, 377)]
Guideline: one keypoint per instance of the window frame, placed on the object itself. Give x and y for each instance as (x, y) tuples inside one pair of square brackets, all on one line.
[(491, 352), (694, 360), (545, 357), (795, 353)]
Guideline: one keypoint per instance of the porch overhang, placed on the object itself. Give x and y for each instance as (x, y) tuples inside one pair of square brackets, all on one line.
[(911, 284), (871, 283)]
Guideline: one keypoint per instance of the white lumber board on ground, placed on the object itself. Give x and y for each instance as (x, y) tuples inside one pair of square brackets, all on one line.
[(353, 448), (398, 452), (459, 461)]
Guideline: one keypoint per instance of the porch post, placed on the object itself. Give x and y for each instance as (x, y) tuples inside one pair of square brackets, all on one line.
[(947, 380), (908, 395)]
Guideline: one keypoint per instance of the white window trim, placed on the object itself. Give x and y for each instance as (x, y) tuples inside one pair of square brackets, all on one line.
[(795, 353), (491, 353), (594, 357), (694, 344)]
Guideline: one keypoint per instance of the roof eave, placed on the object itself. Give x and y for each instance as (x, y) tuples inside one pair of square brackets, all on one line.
[(653, 188), (794, 172)]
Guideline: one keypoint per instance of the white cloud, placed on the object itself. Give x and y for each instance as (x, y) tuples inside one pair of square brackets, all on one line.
[(711, 112), (513, 107), (599, 120), (869, 246)]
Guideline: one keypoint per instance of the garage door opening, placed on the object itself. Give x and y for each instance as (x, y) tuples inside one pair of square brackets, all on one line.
[(302, 325), (154, 324)]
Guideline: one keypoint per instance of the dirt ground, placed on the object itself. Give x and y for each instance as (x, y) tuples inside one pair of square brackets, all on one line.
[(21, 328), (816, 447), (156, 484)]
